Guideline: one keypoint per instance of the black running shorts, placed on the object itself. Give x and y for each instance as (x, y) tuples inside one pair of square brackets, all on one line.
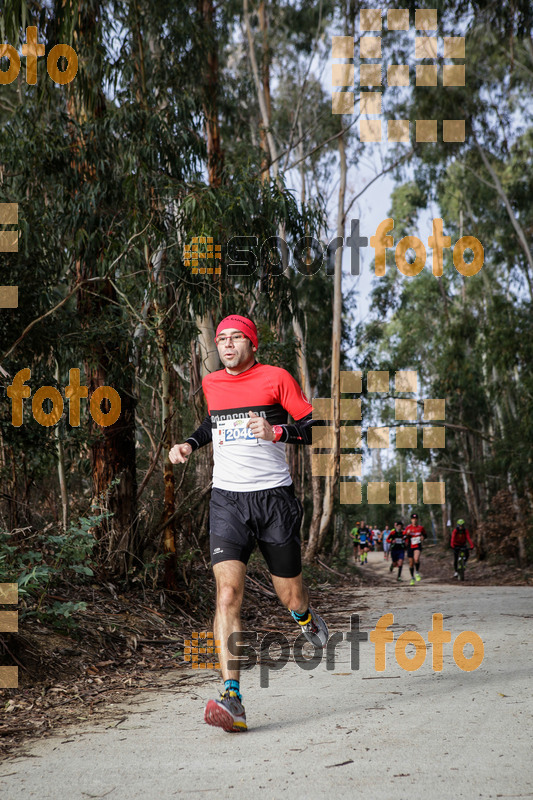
[(412, 550), (272, 517)]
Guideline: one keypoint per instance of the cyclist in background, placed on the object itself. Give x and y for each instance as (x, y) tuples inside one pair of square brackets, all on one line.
[(460, 537), (396, 540)]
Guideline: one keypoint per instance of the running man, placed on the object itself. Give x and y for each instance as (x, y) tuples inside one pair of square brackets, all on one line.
[(396, 540), (365, 535), (253, 497), (460, 536), (414, 533), (376, 538), (386, 543)]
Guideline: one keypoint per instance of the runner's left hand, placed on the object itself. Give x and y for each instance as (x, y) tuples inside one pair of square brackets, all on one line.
[(260, 428)]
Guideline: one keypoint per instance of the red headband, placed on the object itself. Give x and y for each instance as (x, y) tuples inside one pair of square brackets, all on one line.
[(242, 324)]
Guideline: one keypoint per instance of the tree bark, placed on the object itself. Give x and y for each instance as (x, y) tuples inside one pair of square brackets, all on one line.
[(169, 504), (260, 89), (265, 80), (61, 472), (332, 480), (210, 95), (113, 447)]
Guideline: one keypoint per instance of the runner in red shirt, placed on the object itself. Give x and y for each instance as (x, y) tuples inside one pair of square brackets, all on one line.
[(253, 499), (460, 536), (414, 533)]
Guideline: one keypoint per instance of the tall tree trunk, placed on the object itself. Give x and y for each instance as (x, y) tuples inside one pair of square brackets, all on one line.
[(265, 80), (113, 447), (208, 352), (316, 482), (113, 471), (262, 98), (169, 541), (210, 95), (61, 472), (332, 480)]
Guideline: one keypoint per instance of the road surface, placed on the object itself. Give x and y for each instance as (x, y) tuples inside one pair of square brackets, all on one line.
[(341, 732)]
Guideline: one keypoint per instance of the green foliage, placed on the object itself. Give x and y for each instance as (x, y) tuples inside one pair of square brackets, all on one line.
[(43, 562)]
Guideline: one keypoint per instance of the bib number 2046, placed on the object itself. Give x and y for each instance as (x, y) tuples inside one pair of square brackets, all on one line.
[(235, 432)]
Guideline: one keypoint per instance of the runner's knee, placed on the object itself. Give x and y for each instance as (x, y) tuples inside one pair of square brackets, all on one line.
[(229, 598)]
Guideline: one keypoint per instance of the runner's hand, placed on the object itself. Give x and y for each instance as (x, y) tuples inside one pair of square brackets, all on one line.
[(180, 453), (260, 428)]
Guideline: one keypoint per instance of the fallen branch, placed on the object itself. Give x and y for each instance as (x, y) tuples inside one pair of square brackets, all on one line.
[(329, 569)]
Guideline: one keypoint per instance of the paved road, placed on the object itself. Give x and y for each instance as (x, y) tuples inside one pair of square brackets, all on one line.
[(392, 734)]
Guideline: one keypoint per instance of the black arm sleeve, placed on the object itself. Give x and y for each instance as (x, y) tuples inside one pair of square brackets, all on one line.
[(300, 432), (202, 435)]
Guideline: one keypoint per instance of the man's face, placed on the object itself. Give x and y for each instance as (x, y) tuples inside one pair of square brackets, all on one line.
[(414, 520), (234, 348)]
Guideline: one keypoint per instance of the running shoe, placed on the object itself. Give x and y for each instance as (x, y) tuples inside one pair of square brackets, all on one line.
[(399, 578), (412, 582), (417, 576), (455, 574), (314, 628), (227, 713)]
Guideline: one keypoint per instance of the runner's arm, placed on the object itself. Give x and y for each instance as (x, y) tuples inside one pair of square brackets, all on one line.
[(299, 432), (202, 435)]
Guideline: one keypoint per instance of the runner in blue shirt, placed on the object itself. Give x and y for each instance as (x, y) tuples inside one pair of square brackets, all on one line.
[(386, 543), (365, 538)]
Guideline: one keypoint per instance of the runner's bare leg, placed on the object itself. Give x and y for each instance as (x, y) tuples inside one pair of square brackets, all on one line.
[(229, 576), (292, 592)]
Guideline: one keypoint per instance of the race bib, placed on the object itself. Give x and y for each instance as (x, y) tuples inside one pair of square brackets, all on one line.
[(235, 431), (415, 540)]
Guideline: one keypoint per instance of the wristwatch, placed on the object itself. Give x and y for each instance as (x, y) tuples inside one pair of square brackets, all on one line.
[(278, 432)]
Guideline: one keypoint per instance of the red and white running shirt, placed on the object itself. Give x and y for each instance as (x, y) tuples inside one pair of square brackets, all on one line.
[(414, 535), (243, 463)]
